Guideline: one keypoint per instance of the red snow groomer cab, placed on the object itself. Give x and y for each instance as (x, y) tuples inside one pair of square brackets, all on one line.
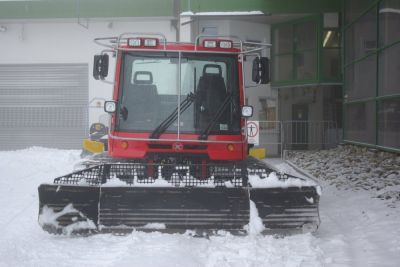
[(177, 147)]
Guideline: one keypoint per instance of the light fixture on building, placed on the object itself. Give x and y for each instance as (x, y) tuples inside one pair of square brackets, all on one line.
[(326, 38), (3, 28)]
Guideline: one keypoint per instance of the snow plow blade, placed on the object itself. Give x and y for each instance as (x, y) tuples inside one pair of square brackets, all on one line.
[(120, 198), (123, 209)]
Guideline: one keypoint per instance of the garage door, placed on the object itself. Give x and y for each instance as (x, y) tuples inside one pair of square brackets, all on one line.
[(43, 105)]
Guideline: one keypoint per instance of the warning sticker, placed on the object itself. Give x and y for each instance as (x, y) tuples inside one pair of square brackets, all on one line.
[(253, 133)]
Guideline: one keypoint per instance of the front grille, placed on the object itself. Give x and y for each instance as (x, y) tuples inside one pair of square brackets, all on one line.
[(187, 147), (159, 174), (197, 147), (159, 146)]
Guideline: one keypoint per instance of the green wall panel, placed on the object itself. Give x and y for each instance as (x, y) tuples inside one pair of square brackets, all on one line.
[(155, 8)]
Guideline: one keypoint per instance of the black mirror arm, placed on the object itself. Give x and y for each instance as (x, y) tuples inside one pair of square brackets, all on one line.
[(124, 113)]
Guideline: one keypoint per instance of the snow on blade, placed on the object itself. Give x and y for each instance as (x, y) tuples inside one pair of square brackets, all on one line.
[(88, 224), (310, 200), (255, 225), (158, 226), (175, 181), (154, 183), (49, 218), (114, 182), (274, 181)]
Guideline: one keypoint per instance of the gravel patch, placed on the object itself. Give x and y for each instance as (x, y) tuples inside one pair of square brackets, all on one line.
[(354, 168)]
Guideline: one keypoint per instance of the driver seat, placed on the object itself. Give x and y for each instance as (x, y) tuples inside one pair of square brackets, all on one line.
[(141, 98), (211, 94)]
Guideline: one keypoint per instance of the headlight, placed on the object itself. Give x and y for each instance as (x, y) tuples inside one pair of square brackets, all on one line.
[(110, 106), (225, 44), (247, 111), (134, 42), (150, 42), (210, 43)]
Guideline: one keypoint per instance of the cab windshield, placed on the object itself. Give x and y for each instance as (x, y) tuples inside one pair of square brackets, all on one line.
[(167, 93)]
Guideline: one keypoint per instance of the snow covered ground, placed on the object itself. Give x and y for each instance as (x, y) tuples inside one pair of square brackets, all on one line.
[(357, 229)]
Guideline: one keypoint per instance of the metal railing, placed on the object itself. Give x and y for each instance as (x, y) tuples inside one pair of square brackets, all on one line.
[(278, 136)]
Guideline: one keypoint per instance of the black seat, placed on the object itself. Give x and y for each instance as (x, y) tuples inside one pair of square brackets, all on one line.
[(211, 94), (141, 99)]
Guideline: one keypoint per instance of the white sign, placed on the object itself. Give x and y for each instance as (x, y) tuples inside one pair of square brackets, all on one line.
[(253, 132)]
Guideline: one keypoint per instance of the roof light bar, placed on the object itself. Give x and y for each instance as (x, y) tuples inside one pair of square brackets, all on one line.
[(225, 44), (143, 42), (210, 43), (150, 42), (134, 42)]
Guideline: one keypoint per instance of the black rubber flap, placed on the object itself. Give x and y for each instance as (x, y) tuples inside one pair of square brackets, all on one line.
[(81, 200), (288, 209), (174, 208)]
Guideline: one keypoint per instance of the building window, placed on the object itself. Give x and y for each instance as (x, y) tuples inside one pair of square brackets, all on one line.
[(295, 51), (305, 53), (263, 111), (283, 68), (361, 79), (389, 123), (283, 39), (360, 122), (389, 21), (389, 71), (267, 113), (331, 64), (354, 8), (360, 37), (372, 73)]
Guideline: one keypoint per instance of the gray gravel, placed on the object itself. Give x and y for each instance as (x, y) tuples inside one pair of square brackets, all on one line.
[(354, 168)]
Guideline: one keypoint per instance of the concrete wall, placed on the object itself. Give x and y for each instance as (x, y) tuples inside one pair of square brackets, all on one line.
[(57, 41)]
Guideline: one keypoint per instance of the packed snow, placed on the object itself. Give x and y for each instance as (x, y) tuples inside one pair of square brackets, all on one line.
[(358, 228), (159, 226), (255, 225), (275, 181)]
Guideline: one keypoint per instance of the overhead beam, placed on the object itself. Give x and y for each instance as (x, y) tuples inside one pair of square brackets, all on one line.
[(266, 6)]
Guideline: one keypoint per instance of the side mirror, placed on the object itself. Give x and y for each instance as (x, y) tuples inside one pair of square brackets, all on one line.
[(260, 71), (110, 106), (247, 111), (100, 66)]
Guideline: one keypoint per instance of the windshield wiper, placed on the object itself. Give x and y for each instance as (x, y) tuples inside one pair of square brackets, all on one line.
[(163, 126), (218, 114)]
